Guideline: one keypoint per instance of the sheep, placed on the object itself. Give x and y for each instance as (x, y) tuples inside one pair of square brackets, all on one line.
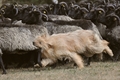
[(110, 9), (51, 17), (71, 44), (15, 38), (59, 17), (3, 19), (77, 12), (84, 24), (53, 8), (58, 7), (114, 39), (54, 17), (10, 11), (63, 8), (65, 20), (54, 28), (37, 17), (14, 12), (117, 11), (112, 33), (34, 17), (96, 15)]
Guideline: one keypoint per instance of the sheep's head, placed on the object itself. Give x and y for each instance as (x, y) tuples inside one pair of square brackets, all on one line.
[(87, 5), (10, 10), (63, 8), (33, 17), (110, 8), (84, 11), (74, 11), (112, 20), (95, 14), (53, 9)]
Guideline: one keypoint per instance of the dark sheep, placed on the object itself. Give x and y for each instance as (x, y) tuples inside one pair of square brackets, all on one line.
[(96, 15), (63, 8), (10, 11), (112, 33)]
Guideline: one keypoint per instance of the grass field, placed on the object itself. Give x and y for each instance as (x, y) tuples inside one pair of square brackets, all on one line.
[(97, 71)]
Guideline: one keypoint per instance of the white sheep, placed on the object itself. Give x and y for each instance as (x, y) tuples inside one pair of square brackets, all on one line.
[(16, 37)]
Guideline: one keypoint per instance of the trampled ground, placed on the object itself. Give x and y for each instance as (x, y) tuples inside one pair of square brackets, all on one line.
[(97, 71)]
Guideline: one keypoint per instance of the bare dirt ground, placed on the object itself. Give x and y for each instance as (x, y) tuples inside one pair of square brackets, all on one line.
[(97, 71)]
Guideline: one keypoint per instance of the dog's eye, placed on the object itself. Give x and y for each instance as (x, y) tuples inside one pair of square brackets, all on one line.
[(40, 42)]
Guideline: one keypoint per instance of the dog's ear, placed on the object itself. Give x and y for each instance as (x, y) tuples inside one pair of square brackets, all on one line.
[(50, 45), (45, 35)]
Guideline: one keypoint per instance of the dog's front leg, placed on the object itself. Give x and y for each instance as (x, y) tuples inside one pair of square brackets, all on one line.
[(46, 62)]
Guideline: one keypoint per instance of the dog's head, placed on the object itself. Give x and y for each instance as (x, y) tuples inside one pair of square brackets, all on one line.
[(42, 42)]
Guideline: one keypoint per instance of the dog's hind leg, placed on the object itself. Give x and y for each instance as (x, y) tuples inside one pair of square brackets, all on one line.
[(77, 59)]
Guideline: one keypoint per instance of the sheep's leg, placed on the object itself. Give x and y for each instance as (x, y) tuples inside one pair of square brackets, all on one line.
[(31, 61), (33, 57), (2, 65), (88, 61), (77, 59), (39, 57), (117, 56)]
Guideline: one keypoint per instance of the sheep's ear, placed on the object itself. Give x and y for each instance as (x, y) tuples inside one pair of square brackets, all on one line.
[(44, 35)]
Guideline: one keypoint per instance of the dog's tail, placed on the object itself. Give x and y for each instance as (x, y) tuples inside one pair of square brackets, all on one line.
[(107, 49)]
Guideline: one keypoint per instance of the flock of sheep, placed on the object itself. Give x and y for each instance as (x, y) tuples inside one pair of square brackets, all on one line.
[(62, 30)]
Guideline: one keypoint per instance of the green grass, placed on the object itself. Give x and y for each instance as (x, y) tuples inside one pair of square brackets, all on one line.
[(97, 71)]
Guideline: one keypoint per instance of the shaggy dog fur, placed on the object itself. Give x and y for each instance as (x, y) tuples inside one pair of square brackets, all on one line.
[(71, 44)]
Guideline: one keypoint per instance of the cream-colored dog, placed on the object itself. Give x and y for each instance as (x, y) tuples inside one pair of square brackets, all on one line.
[(71, 45)]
